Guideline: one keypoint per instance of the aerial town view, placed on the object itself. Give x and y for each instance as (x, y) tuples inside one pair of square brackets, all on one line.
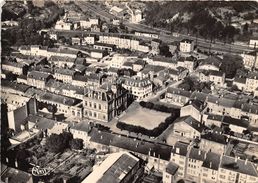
[(126, 91)]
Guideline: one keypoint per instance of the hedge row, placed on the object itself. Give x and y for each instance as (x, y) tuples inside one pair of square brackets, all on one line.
[(157, 107), (154, 132)]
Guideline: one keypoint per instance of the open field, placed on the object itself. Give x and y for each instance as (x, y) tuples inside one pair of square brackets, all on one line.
[(144, 117)]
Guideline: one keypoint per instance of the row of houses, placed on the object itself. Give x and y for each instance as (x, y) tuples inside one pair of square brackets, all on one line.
[(248, 83), (218, 105), (125, 42)]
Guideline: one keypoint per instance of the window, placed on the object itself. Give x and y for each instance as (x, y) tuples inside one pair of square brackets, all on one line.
[(99, 106), (222, 176), (95, 105), (95, 115)]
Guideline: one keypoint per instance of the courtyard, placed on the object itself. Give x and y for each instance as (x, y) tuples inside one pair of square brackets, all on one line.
[(143, 117)]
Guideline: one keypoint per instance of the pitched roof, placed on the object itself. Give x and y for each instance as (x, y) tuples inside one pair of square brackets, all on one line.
[(211, 161), (38, 75), (177, 91), (238, 165), (180, 148), (196, 154), (192, 122), (172, 168), (215, 137), (135, 145), (81, 126)]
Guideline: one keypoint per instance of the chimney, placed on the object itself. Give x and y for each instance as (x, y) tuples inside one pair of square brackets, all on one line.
[(205, 155), (101, 137), (210, 164), (7, 160), (236, 159), (177, 150), (16, 163), (199, 152), (246, 160)]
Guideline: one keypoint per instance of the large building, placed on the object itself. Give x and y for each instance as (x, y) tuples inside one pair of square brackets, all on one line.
[(104, 102), (121, 167)]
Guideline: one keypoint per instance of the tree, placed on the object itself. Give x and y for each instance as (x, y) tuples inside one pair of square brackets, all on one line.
[(76, 144), (67, 137), (164, 50), (230, 64), (55, 143), (245, 28)]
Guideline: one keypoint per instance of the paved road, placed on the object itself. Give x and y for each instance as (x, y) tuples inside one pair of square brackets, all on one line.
[(164, 34)]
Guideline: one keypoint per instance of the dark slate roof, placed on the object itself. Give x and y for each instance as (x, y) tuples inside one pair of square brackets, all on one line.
[(162, 59), (140, 146), (15, 86), (38, 75), (172, 168), (81, 126), (180, 148), (241, 166), (191, 58), (59, 58), (177, 91), (15, 175), (197, 154), (41, 123), (215, 117), (60, 99), (197, 104), (234, 121), (216, 73), (216, 61), (65, 71), (153, 68), (80, 61), (199, 95), (240, 80), (192, 122), (140, 62), (79, 77), (215, 137), (225, 102), (211, 161)]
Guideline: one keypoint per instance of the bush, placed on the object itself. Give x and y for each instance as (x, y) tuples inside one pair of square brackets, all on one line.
[(158, 107), (55, 143), (76, 144)]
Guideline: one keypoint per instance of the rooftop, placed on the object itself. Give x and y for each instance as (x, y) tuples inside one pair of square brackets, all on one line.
[(238, 165), (180, 148), (113, 169), (135, 145), (38, 75), (81, 126), (192, 122), (215, 137), (172, 168), (211, 161), (177, 91), (60, 99)]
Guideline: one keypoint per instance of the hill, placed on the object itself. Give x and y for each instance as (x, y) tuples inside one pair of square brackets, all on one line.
[(211, 20)]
